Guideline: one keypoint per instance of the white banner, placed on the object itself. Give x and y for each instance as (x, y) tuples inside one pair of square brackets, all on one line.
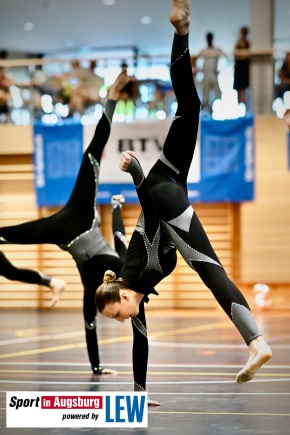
[(76, 409), (146, 138)]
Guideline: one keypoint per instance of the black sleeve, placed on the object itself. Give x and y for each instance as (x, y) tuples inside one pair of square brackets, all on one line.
[(140, 349), (118, 229), (151, 220)]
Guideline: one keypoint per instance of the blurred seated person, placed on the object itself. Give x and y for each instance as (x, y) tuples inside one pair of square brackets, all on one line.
[(128, 96), (5, 94), (41, 84), (284, 77), (87, 89), (131, 90)]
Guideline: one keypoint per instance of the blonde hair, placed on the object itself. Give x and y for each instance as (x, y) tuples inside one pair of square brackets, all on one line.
[(109, 291), (109, 276)]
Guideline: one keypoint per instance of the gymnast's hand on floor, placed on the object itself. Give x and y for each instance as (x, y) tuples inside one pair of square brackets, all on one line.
[(125, 161), (153, 403), (109, 372)]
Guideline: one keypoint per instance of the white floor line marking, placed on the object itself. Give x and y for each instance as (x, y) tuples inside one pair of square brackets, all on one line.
[(210, 346), (152, 342), (114, 382), (43, 337), (117, 364)]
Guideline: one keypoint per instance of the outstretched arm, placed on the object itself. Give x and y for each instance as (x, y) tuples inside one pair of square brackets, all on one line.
[(140, 351)]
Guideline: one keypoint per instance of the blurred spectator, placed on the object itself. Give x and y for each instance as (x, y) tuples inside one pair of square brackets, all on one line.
[(87, 89), (284, 76), (242, 65), (5, 94), (128, 96), (210, 56), (42, 83)]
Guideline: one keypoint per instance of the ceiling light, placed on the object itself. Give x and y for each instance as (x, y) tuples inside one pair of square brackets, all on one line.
[(145, 20), (28, 26)]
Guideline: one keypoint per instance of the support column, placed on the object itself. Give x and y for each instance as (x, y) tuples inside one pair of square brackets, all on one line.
[(262, 66)]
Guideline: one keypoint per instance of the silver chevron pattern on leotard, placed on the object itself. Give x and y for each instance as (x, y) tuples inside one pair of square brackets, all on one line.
[(188, 253), (183, 221), (152, 251), (139, 325), (167, 163)]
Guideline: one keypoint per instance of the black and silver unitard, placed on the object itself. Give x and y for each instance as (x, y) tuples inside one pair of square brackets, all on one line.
[(13, 273), (76, 229), (168, 220)]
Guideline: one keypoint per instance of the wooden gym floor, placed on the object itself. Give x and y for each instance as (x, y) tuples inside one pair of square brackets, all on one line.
[(194, 357)]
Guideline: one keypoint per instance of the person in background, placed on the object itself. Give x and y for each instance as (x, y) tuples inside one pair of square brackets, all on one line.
[(210, 56), (87, 88), (242, 65), (13, 273), (5, 94), (76, 227)]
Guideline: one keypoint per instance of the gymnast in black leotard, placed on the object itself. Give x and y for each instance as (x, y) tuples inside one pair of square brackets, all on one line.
[(168, 221), (76, 227), (13, 273)]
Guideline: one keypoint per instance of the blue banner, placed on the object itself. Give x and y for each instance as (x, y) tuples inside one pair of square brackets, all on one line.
[(227, 160), (223, 167), (58, 152)]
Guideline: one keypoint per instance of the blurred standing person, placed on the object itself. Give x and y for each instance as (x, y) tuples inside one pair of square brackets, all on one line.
[(242, 65), (210, 55)]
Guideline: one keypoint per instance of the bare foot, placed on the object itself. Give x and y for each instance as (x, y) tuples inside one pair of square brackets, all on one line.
[(57, 286), (180, 16), (117, 200), (260, 353), (118, 85)]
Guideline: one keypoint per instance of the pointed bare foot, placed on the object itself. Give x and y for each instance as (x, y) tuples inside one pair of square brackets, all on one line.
[(118, 85), (180, 16), (117, 200), (57, 286), (260, 353)]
